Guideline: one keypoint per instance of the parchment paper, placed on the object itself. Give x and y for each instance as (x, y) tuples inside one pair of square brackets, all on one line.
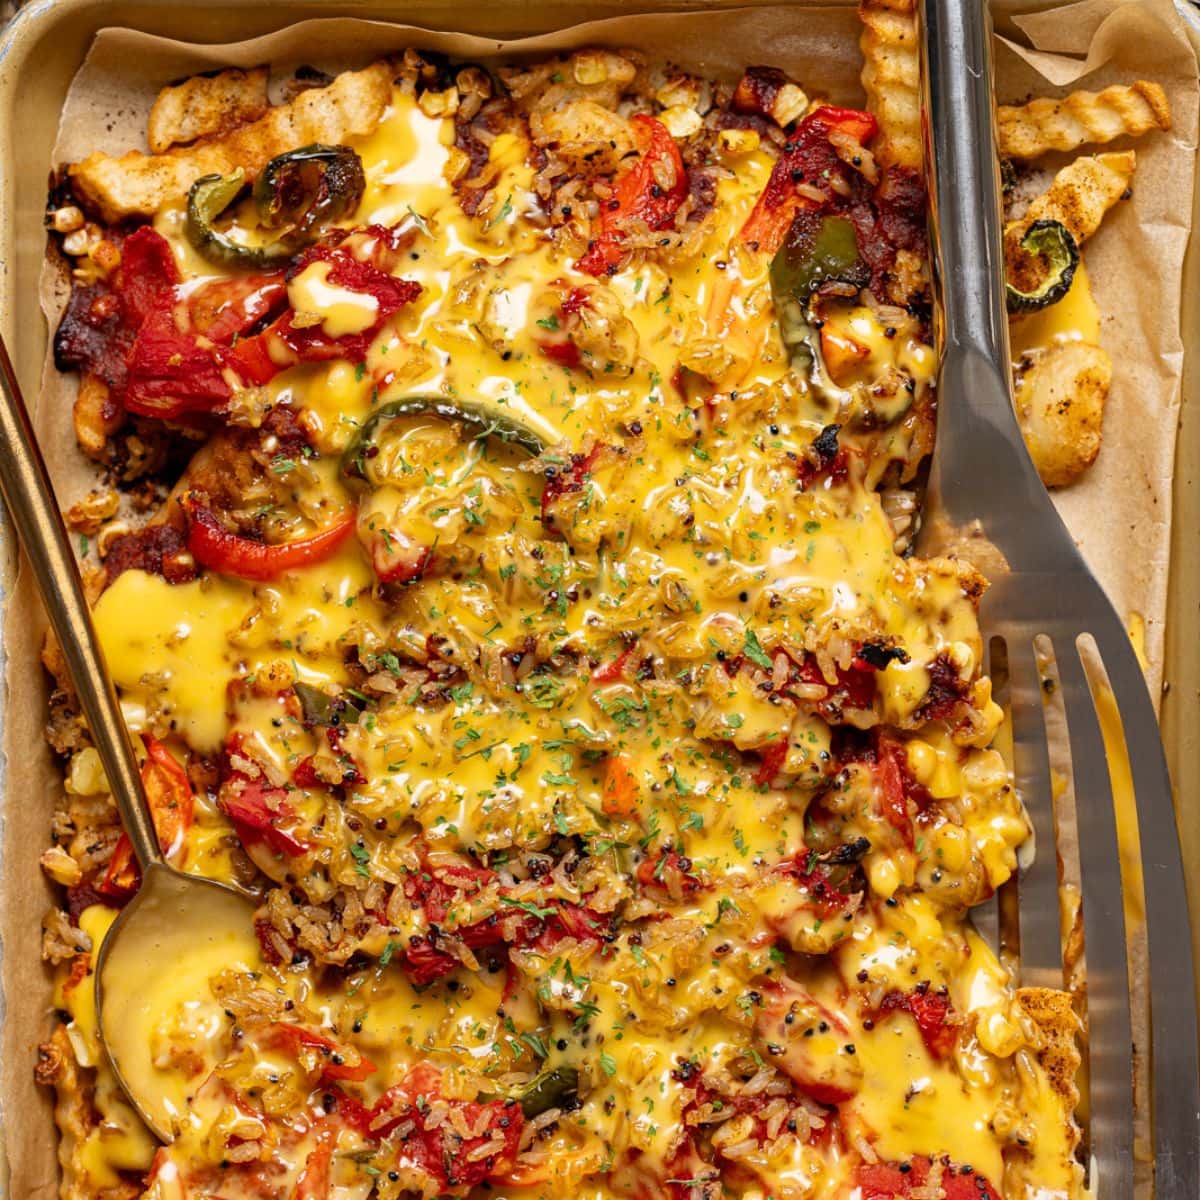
[(1120, 513)]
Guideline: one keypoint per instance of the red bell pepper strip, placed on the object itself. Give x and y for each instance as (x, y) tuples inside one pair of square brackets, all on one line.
[(639, 195), (610, 672), (123, 876), (891, 770), (283, 344), (295, 1039), (213, 546), (169, 794), (621, 791), (808, 158), (227, 308), (254, 809)]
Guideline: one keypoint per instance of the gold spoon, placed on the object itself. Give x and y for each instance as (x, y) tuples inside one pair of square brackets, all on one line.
[(174, 918)]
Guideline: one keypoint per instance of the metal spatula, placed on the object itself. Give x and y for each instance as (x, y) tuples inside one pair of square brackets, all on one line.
[(987, 504)]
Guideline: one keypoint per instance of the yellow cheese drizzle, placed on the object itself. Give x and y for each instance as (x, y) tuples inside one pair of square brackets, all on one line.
[(473, 332)]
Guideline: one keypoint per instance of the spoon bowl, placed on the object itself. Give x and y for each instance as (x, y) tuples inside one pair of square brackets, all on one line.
[(175, 932)]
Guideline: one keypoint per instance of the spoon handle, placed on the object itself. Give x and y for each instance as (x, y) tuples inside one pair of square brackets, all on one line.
[(35, 515)]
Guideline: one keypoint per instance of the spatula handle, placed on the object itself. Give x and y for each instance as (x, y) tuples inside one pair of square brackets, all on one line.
[(964, 174)]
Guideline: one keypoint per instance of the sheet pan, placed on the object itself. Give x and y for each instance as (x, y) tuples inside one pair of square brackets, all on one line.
[(38, 58)]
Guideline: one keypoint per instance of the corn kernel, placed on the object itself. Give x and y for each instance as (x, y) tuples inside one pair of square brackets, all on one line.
[(135, 715), (681, 121), (61, 867), (922, 760), (109, 534), (439, 104), (997, 1034), (963, 657), (739, 141), (590, 67), (86, 774), (789, 103), (951, 847), (679, 89), (76, 243), (884, 876), (67, 219)]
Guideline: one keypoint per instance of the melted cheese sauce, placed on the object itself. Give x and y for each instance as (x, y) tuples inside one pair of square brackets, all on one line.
[(690, 542), (1074, 318)]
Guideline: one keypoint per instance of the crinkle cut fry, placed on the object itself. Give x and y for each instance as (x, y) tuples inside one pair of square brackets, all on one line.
[(1081, 193), (206, 105), (891, 75), (1124, 110), (1053, 1012), (136, 184)]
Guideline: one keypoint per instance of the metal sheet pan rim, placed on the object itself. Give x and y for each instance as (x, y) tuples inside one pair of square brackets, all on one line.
[(44, 44)]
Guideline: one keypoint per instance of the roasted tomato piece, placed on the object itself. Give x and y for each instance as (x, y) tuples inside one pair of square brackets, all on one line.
[(173, 373), (650, 191), (313, 1183), (451, 1160), (229, 308), (771, 762), (169, 794), (256, 810), (893, 1181), (931, 1009), (802, 174), (809, 1043), (320, 1054), (101, 321), (395, 556), (289, 340), (901, 799)]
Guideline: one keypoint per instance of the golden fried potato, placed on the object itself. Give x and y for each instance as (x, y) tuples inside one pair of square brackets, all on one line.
[(1123, 110), (1060, 408), (1082, 192), (587, 136), (1052, 1012), (136, 184), (891, 75), (97, 417), (206, 105)]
